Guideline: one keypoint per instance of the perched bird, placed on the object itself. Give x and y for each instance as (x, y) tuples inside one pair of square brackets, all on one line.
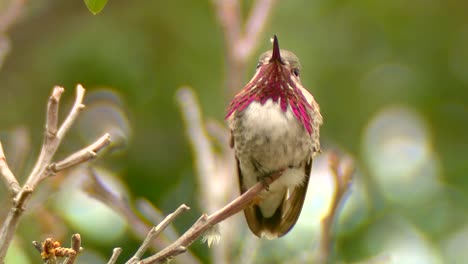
[(274, 123)]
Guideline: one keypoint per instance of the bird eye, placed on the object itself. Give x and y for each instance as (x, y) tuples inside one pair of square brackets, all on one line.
[(296, 72), (259, 64)]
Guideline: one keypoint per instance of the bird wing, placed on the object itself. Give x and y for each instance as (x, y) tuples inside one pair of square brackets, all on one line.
[(284, 218)]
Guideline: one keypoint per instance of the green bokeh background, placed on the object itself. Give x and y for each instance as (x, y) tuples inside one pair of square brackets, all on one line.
[(145, 50)]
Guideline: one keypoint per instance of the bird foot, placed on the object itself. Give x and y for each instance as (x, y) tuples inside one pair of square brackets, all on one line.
[(266, 179)]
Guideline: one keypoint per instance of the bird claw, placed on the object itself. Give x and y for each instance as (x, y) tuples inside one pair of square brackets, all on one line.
[(264, 181)]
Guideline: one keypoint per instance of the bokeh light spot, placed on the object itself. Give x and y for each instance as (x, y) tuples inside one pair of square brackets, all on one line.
[(401, 242), (398, 150), (88, 216), (105, 113)]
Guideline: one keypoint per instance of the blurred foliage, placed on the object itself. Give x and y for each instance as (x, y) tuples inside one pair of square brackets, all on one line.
[(359, 58)]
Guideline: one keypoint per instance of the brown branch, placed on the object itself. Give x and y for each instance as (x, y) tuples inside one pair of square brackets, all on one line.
[(214, 169), (155, 216), (154, 232), (254, 26), (53, 110), (240, 39), (342, 172), (50, 249), (99, 191), (201, 146), (206, 222), (82, 155), (76, 109), (228, 12), (76, 247), (52, 139), (115, 255), (7, 176)]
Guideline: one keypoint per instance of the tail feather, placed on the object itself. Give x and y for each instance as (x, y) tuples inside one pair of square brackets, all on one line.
[(285, 216)]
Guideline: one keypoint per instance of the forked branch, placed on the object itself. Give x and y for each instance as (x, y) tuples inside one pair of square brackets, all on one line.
[(53, 136), (206, 222)]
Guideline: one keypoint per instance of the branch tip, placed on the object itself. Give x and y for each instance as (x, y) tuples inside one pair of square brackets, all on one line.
[(206, 222), (115, 255), (57, 92)]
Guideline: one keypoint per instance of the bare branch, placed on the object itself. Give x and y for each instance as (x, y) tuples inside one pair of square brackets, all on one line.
[(205, 160), (228, 12), (76, 243), (52, 140), (240, 41), (205, 222), (7, 176), (76, 109), (155, 216), (82, 155), (53, 109), (154, 232), (99, 191), (255, 24), (76, 247), (343, 174), (115, 255), (214, 168)]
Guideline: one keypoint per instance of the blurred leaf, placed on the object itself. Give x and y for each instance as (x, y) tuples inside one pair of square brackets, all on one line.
[(95, 6)]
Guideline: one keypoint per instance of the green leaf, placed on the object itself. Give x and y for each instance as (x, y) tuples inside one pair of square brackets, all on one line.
[(95, 6)]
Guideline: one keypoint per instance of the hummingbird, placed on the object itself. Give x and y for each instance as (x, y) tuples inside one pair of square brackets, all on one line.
[(274, 124)]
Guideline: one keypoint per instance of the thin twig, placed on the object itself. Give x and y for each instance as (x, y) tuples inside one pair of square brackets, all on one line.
[(342, 172), (82, 155), (205, 222), (99, 191), (52, 140), (255, 24), (201, 145), (76, 109), (76, 246), (47, 151), (53, 106), (7, 176), (228, 12), (214, 168), (240, 39), (154, 232), (115, 255), (155, 216)]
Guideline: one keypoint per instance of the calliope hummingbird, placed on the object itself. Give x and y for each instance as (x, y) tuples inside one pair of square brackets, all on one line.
[(274, 123)]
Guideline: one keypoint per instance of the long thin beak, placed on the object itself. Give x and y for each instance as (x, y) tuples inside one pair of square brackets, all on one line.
[(276, 56)]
